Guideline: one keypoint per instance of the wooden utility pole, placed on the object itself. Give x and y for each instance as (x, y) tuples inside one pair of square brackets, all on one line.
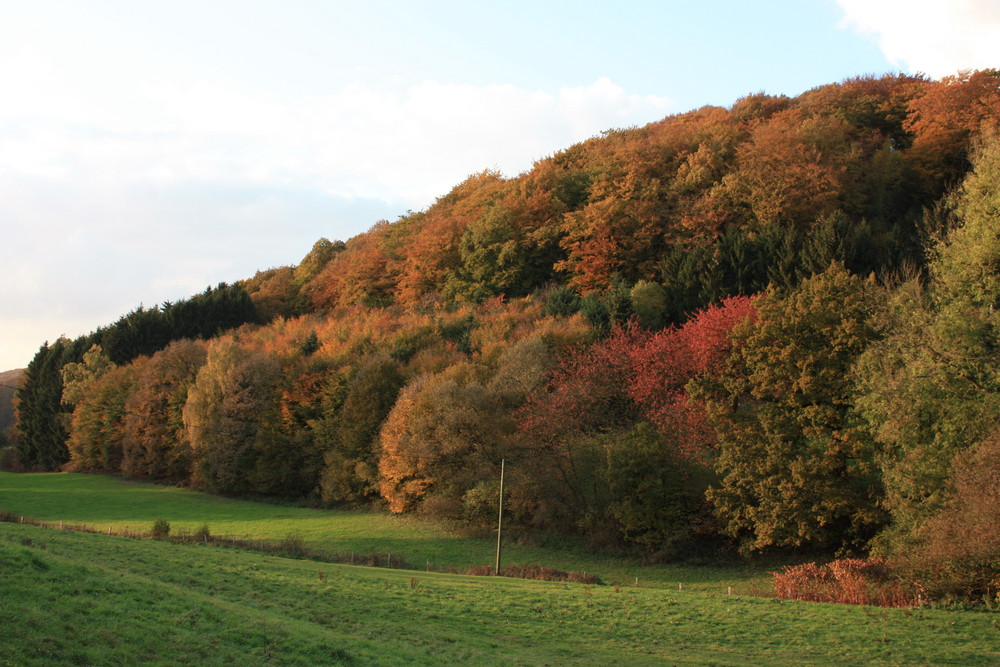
[(499, 519)]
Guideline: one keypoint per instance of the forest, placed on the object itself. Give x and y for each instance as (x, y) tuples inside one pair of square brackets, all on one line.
[(764, 328)]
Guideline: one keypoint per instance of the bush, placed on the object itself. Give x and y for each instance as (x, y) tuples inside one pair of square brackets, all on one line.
[(202, 533), (293, 546), (160, 529), (847, 581), (561, 301)]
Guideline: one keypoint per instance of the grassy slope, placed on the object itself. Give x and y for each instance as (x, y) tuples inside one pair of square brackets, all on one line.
[(93, 599), (102, 502)]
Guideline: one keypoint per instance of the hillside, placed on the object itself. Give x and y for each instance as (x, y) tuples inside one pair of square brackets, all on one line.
[(8, 382), (758, 328), (709, 203)]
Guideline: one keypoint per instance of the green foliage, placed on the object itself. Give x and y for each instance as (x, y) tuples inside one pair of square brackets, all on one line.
[(309, 345), (10, 459), (147, 330), (649, 302), (41, 425), (322, 252), (596, 312), (957, 550), (495, 259), (796, 468), (458, 330), (561, 301), (931, 388), (226, 421), (657, 497), (350, 438), (77, 377), (618, 301)]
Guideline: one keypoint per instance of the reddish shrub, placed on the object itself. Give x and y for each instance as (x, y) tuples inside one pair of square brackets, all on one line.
[(535, 572), (847, 581)]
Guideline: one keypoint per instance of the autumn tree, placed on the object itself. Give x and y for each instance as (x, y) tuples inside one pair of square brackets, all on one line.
[(796, 467), (226, 418), (944, 119), (663, 364), (273, 292), (445, 433), (155, 443), (561, 421), (97, 432), (433, 252)]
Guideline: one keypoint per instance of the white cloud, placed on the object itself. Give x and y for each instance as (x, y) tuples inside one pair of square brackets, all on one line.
[(112, 195), (406, 145), (936, 37)]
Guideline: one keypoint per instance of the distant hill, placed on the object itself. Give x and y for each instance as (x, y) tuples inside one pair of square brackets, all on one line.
[(8, 381)]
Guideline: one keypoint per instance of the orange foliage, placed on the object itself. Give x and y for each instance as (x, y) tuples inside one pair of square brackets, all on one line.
[(847, 581), (433, 249), (359, 275), (793, 169), (943, 120)]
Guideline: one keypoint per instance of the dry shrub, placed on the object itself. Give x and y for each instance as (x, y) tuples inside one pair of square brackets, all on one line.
[(160, 529), (869, 581), (376, 559), (293, 546), (535, 572), (958, 554)]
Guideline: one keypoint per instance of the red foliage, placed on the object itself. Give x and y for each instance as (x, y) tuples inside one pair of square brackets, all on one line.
[(585, 391), (847, 581), (602, 385), (663, 364)]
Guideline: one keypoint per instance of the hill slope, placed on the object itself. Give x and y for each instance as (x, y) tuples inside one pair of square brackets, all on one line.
[(9, 380)]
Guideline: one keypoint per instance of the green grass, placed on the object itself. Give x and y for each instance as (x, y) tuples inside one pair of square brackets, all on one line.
[(80, 598), (103, 502), (69, 597)]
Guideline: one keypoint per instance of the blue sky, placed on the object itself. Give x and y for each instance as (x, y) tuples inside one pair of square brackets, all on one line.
[(149, 149)]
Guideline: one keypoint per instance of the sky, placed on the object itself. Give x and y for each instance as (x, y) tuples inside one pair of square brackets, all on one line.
[(151, 149)]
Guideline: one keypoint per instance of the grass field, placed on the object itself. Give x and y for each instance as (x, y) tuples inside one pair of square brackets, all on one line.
[(103, 502), (80, 598)]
